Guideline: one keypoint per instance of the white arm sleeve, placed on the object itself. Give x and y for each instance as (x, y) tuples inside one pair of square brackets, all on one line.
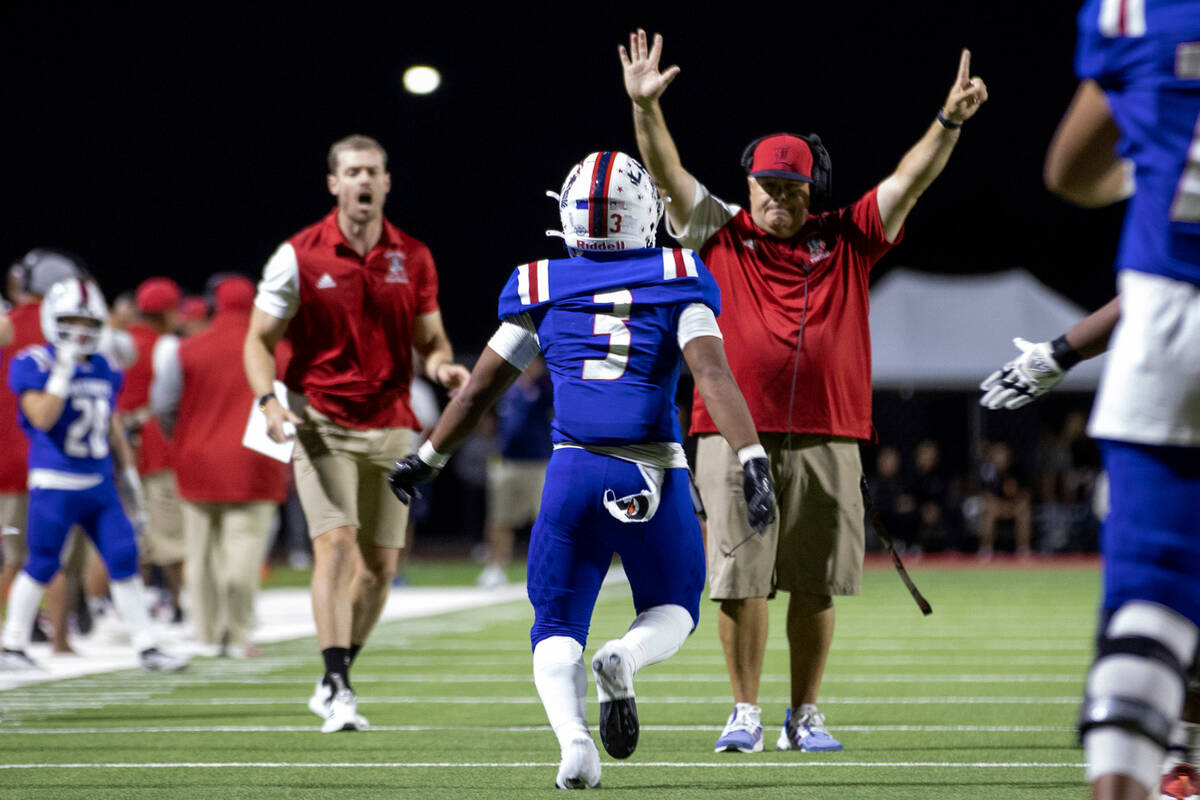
[(697, 320), (167, 387), (709, 215), (516, 341), (279, 289)]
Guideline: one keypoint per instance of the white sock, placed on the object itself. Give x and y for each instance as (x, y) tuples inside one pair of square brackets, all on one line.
[(128, 597), (561, 681), (23, 601), (657, 634), (1191, 740), (1113, 751)]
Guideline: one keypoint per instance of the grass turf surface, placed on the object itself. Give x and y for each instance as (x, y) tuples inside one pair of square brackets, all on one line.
[(976, 700)]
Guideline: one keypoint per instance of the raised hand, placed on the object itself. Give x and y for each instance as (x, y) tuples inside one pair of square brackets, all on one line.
[(967, 94), (643, 82)]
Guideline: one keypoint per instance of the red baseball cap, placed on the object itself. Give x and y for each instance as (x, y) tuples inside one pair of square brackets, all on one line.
[(782, 156), (157, 295), (193, 309), (235, 293)]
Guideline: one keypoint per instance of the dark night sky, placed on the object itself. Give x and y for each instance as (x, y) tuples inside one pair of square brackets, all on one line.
[(197, 147)]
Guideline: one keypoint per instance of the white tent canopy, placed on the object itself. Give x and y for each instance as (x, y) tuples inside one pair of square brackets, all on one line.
[(950, 332)]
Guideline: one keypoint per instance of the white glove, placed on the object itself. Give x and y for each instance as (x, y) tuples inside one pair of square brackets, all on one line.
[(66, 359), (1018, 382), (135, 498)]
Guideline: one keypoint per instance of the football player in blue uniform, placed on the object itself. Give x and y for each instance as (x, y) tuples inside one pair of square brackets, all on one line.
[(67, 392), (610, 321), (1133, 130)]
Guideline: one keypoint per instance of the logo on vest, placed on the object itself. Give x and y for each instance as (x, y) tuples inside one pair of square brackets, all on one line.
[(750, 244), (816, 250), (396, 272), (326, 282)]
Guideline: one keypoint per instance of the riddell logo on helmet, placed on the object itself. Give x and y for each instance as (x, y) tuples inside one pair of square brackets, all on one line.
[(600, 244)]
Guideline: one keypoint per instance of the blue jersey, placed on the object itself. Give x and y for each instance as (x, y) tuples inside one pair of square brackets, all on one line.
[(606, 325), (78, 442), (1146, 58)]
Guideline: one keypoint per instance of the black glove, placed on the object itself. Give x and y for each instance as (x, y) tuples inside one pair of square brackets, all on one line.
[(408, 472), (760, 494)]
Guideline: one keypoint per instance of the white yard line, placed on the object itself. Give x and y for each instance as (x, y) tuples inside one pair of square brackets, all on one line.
[(22, 703), (509, 764), (282, 614), (176, 681), (523, 729)]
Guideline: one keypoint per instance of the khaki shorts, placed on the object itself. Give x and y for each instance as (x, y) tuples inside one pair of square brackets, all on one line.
[(816, 543), (161, 541), (514, 492), (14, 510), (341, 477)]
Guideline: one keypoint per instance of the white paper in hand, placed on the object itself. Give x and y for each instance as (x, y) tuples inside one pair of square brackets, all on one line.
[(256, 437)]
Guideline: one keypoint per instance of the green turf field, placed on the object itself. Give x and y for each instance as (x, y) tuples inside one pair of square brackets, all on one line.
[(976, 701)]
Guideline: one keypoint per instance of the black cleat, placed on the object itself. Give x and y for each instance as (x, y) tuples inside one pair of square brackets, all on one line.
[(618, 709)]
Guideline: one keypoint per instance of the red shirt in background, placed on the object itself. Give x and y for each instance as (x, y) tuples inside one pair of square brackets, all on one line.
[(14, 445)]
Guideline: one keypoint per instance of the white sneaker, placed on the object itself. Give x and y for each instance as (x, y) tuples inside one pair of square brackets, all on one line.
[(806, 731), (16, 661), (154, 660), (321, 698), (619, 727), (743, 731), (342, 712), (580, 767), (492, 577), (322, 694)]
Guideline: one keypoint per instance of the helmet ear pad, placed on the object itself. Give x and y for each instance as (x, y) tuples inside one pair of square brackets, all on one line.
[(609, 203)]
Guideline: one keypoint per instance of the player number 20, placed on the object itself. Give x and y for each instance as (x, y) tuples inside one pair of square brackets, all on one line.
[(87, 436), (613, 365)]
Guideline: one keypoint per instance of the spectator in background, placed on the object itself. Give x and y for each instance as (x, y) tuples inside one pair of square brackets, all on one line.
[(193, 316), (892, 498), (515, 478), (229, 493), (1005, 498), (161, 541), (931, 493)]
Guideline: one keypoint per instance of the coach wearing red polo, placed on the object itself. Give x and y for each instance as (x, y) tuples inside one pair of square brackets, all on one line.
[(794, 294), (229, 492), (355, 296)]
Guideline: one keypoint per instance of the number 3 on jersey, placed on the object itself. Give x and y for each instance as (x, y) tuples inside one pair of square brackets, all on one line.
[(612, 366)]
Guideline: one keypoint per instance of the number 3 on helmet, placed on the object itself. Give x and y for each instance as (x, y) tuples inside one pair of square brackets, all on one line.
[(74, 299), (608, 203)]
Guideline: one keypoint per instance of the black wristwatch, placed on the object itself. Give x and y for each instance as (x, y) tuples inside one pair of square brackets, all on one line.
[(262, 401)]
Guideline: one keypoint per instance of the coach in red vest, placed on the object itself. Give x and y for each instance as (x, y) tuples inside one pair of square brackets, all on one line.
[(229, 493)]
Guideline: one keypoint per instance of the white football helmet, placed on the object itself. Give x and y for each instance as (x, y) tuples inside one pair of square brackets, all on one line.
[(608, 202), (74, 297)]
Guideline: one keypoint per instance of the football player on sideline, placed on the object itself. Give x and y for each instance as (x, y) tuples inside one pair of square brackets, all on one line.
[(66, 391), (1138, 105), (610, 321)]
